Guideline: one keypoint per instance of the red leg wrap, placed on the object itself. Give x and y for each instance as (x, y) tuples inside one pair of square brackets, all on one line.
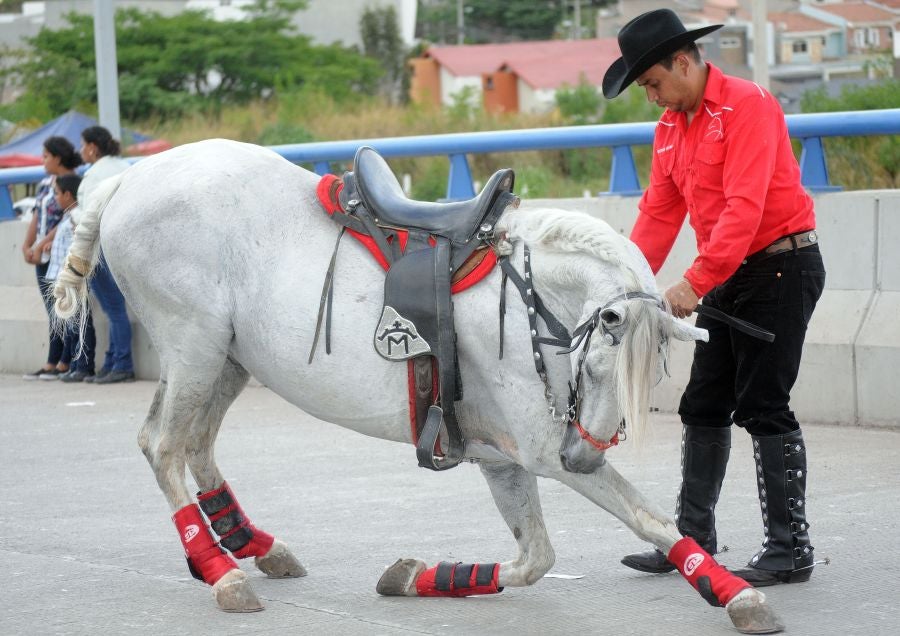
[(459, 579), (207, 561), (236, 531), (695, 564)]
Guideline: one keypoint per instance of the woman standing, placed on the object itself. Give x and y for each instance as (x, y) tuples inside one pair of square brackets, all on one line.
[(60, 158), (102, 151)]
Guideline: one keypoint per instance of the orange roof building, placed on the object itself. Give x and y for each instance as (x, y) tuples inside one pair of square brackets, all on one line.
[(512, 77)]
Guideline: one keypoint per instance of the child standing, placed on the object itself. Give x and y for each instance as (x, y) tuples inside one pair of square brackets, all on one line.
[(81, 368)]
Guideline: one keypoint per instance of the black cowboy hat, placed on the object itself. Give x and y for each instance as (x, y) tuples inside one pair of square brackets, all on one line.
[(644, 41)]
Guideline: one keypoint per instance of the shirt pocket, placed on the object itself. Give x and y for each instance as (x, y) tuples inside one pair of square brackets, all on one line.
[(710, 164)]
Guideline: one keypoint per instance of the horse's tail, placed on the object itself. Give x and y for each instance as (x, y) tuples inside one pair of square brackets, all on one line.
[(71, 288), (637, 365)]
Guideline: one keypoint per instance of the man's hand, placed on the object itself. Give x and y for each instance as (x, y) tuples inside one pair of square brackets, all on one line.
[(682, 299)]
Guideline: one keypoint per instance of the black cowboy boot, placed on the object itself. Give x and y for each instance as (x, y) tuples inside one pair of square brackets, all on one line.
[(786, 555), (704, 456)]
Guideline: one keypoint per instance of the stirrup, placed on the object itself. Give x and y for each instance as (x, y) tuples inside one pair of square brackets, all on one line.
[(428, 438)]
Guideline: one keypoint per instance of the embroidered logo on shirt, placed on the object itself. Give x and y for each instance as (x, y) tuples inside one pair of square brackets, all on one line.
[(716, 130), (659, 151)]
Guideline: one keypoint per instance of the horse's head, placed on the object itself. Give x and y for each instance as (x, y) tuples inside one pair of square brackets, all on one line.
[(587, 272), (613, 373)]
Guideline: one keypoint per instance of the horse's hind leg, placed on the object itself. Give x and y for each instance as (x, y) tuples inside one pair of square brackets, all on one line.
[(183, 393), (515, 492), (216, 498)]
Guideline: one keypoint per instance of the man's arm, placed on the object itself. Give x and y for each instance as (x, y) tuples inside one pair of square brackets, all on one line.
[(661, 211)]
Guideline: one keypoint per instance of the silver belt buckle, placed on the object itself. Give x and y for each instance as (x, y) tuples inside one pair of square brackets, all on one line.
[(812, 237)]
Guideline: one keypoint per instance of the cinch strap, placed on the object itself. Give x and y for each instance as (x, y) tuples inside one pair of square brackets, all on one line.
[(459, 579), (206, 560), (237, 533)]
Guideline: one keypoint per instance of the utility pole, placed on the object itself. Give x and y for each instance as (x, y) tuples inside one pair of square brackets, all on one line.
[(576, 20), (107, 66), (460, 22), (760, 45)]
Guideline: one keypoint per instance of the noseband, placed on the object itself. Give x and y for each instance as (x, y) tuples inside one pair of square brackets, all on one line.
[(581, 337)]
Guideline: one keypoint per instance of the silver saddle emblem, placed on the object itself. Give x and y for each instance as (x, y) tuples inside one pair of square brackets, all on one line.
[(396, 338)]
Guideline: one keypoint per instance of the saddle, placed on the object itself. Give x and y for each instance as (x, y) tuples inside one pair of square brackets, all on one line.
[(422, 245)]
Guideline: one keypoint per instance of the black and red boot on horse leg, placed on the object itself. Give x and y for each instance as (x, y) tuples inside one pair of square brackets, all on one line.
[(746, 607), (238, 534), (209, 563), (408, 577)]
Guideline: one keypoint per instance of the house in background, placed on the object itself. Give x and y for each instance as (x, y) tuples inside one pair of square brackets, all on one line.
[(802, 39), (513, 77), (870, 29)]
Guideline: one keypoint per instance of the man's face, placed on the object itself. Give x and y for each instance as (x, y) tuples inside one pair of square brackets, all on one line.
[(668, 88)]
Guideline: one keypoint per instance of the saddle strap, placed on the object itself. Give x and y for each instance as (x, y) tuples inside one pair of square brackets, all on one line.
[(325, 302), (447, 366)]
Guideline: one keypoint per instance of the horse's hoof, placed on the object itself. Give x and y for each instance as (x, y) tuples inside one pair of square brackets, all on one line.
[(750, 614), (400, 578), (234, 594), (279, 563)]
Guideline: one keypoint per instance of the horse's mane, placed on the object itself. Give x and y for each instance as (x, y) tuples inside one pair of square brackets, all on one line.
[(568, 231)]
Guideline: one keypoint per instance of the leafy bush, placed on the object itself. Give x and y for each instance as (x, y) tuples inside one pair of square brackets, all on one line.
[(860, 162)]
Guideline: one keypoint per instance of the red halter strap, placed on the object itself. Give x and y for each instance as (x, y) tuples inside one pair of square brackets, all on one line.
[(600, 446)]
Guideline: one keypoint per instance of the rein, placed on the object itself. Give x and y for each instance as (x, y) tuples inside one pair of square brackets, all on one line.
[(581, 337)]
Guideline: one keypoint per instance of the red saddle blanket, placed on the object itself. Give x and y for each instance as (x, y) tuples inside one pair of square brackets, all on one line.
[(473, 270)]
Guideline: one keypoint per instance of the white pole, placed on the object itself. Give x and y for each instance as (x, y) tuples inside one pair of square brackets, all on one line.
[(460, 22), (576, 18), (760, 45), (107, 67)]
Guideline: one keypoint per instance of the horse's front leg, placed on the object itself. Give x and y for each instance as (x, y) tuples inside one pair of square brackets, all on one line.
[(746, 605), (515, 492)]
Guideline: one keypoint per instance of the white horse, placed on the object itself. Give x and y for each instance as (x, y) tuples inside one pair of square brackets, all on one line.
[(221, 249)]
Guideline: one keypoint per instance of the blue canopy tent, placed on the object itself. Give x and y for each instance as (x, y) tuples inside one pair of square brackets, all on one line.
[(27, 150)]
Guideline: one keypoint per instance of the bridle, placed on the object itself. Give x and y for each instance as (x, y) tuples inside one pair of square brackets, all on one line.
[(581, 337)]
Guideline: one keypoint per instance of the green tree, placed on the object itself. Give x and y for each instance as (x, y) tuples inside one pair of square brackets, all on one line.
[(491, 21), (382, 43), (169, 65)]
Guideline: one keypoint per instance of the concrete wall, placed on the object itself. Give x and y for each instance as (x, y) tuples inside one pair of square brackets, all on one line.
[(849, 370)]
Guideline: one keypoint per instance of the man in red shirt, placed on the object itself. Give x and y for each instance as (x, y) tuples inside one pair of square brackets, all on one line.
[(722, 157)]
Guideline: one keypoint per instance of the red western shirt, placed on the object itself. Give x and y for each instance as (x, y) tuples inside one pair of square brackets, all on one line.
[(732, 171)]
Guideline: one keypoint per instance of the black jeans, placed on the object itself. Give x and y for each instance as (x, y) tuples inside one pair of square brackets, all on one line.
[(737, 377), (55, 351)]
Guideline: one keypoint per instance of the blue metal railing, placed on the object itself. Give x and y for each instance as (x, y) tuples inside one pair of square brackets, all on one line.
[(809, 129)]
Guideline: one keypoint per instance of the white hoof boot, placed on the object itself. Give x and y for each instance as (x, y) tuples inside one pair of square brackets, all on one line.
[(279, 563), (234, 594), (400, 578), (750, 614)]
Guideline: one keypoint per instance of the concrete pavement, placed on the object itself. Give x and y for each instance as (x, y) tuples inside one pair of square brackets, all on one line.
[(88, 547)]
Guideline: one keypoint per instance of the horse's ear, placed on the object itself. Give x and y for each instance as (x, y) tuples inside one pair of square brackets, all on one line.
[(684, 330)]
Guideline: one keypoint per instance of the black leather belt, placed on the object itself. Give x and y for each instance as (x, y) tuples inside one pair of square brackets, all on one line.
[(785, 244)]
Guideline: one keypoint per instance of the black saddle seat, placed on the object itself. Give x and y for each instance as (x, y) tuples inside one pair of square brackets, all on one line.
[(383, 197)]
